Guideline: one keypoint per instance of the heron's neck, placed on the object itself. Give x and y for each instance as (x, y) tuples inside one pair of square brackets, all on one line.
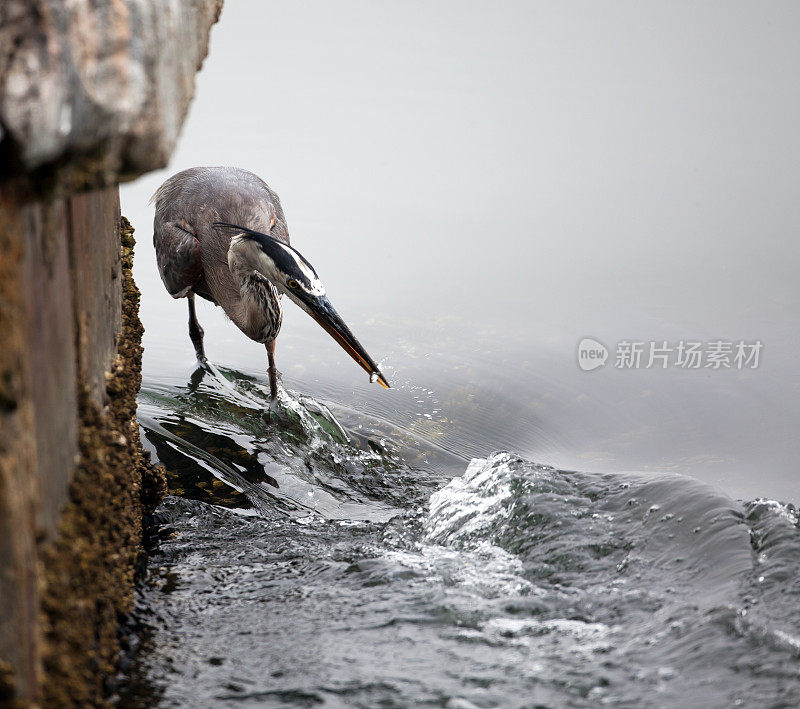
[(260, 314)]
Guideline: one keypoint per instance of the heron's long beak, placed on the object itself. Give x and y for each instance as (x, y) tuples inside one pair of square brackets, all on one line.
[(325, 314)]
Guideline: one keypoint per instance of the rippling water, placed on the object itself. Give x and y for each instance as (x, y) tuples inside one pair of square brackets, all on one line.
[(313, 555), (480, 189)]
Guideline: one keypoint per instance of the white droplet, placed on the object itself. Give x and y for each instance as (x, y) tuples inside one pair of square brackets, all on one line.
[(373, 377)]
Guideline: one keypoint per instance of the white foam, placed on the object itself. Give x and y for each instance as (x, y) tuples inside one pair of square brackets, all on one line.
[(468, 507)]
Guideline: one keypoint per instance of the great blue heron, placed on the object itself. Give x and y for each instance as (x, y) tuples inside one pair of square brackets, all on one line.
[(220, 233)]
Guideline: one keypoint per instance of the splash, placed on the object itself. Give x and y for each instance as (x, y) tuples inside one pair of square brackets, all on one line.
[(226, 442), (349, 545)]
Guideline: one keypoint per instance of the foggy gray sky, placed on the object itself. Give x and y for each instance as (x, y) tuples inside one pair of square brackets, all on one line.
[(656, 142), (557, 170)]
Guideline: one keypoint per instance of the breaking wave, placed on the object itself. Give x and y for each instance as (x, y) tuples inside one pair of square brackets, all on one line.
[(314, 556)]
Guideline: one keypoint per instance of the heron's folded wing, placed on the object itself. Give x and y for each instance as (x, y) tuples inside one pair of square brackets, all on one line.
[(178, 256)]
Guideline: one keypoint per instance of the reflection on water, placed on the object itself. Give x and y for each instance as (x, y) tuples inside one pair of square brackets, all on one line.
[(223, 441), (313, 555), (342, 549)]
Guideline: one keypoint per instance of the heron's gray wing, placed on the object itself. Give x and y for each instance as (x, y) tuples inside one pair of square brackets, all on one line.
[(178, 256)]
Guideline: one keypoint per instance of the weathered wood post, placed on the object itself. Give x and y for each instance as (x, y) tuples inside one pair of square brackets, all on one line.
[(90, 94)]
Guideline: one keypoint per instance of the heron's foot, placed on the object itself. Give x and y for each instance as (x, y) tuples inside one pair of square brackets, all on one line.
[(202, 360)]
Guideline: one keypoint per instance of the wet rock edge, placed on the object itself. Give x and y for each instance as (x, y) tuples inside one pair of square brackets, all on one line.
[(91, 569)]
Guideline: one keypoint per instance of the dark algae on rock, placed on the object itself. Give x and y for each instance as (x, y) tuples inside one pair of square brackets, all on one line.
[(91, 568), (75, 484)]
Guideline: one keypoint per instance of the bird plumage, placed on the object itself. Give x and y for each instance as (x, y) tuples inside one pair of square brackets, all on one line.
[(192, 254), (220, 233)]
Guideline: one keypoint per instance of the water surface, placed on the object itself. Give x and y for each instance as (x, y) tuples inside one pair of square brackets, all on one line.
[(480, 190), (313, 555)]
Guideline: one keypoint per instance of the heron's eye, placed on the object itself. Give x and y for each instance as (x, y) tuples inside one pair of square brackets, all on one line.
[(292, 283)]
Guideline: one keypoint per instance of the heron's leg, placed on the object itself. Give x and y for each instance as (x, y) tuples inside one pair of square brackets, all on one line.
[(195, 331), (272, 371)]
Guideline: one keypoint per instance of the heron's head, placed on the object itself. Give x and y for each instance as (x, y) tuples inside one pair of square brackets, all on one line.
[(284, 267)]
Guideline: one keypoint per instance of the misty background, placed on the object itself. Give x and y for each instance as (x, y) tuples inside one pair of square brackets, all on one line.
[(482, 185)]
